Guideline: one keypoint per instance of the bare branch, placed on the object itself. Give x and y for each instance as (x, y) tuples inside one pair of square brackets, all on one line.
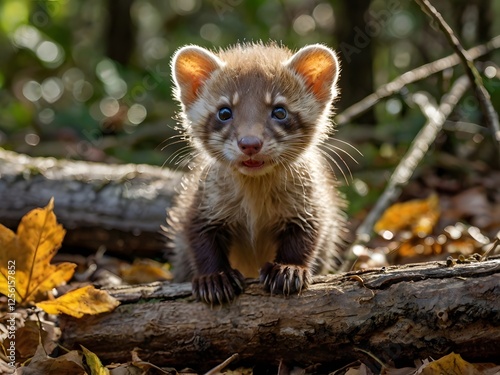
[(471, 71), (411, 76), (406, 167)]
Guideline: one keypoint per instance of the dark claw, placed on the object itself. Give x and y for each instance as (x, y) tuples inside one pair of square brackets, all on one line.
[(218, 288), (284, 278)]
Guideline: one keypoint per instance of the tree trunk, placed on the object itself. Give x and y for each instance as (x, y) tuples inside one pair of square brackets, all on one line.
[(120, 34), (356, 52), (397, 314), (119, 206)]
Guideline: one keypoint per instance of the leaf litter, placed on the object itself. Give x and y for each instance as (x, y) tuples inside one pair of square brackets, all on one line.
[(428, 228), (32, 282)]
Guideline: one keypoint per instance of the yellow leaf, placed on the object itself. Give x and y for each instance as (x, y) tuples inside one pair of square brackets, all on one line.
[(86, 300), (94, 363), (145, 271), (451, 364), (25, 269), (419, 215)]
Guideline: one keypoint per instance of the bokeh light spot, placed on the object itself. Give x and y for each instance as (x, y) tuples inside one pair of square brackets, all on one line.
[(109, 106), (210, 32), (46, 116), (184, 7), (323, 15), (156, 48), (32, 91), (114, 85), (71, 77), (490, 71), (393, 106), (26, 36), (32, 139), (402, 24), (50, 53), (304, 24), (361, 187), (106, 70), (136, 114), (83, 91), (52, 89)]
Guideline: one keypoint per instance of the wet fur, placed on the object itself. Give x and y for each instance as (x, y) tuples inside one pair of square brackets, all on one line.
[(287, 221)]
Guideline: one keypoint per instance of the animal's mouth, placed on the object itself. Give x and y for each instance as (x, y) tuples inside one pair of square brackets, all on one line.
[(253, 164)]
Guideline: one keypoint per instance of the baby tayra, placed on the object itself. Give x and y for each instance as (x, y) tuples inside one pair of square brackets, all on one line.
[(260, 200)]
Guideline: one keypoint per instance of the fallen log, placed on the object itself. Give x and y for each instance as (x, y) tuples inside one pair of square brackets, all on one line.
[(120, 207), (396, 314)]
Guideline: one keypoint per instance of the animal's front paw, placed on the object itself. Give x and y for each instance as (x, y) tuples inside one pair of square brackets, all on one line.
[(284, 278), (218, 288)]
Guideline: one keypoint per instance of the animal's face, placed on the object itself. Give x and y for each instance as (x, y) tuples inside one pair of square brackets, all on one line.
[(256, 107)]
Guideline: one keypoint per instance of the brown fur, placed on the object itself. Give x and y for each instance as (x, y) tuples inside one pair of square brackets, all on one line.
[(283, 218)]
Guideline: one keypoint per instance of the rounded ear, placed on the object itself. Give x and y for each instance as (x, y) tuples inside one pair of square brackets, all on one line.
[(319, 68), (191, 67)]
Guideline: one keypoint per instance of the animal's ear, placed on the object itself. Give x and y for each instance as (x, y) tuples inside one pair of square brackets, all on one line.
[(191, 67), (319, 68)]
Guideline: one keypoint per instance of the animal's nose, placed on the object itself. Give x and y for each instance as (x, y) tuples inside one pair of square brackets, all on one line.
[(250, 145)]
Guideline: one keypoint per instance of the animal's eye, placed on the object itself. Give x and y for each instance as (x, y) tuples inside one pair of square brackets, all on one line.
[(224, 114), (279, 113)]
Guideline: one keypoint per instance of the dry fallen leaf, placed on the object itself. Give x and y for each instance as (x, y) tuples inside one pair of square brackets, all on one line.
[(25, 257), (126, 369), (419, 216), (41, 363), (29, 336), (86, 300)]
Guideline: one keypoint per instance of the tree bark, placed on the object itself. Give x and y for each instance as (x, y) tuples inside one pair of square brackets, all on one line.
[(119, 206), (397, 314)]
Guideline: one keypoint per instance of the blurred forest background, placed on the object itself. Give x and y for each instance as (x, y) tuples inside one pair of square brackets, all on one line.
[(90, 80)]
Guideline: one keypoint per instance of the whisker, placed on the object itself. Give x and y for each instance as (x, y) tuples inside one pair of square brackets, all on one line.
[(178, 152), (332, 159), (181, 158), (332, 148), (182, 139), (347, 144)]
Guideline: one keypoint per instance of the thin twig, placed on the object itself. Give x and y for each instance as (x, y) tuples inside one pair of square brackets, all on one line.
[(217, 369), (467, 61), (411, 76), (493, 246), (406, 167)]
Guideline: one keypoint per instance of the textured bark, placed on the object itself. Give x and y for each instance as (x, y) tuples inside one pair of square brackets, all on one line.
[(118, 206), (397, 314)]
